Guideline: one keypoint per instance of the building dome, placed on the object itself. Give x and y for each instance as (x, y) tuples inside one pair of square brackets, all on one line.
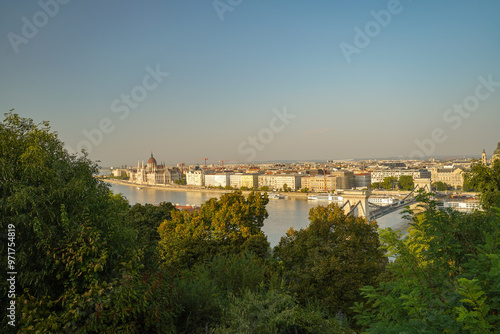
[(151, 161), (497, 151)]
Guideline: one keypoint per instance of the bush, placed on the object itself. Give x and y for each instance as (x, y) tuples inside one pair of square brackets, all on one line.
[(204, 290), (273, 312)]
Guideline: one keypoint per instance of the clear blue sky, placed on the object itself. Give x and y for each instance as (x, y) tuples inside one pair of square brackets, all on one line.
[(226, 77)]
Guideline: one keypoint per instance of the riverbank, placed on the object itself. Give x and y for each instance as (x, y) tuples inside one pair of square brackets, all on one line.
[(294, 195), (290, 195)]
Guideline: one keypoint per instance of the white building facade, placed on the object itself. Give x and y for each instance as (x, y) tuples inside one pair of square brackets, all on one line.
[(277, 181), (380, 175), (195, 178), (217, 180)]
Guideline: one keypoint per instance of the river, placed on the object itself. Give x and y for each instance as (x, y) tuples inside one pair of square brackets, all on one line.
[(283, 213)]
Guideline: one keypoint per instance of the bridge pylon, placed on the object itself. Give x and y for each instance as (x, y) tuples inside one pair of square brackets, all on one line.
[(423, 184), (358, 199)]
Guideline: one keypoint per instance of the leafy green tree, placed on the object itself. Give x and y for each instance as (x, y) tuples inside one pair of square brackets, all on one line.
[(467, 187), (444, 277), (439, 186), (122, 177), (331, 259), (486, 180), (145, 220), (389, 182), (244, 188), (206, 289), (273, 312), (304, 190), (231, 224), (286, 188), (264, 188), (405, 182), (74, 252)]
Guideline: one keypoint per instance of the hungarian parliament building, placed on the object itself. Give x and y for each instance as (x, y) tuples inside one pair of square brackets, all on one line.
[(153, 174)]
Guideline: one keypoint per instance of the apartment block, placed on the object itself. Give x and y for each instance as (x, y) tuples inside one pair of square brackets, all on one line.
[(250, 181), (380, 175), (195, 178), (217, 180), (451, 176)]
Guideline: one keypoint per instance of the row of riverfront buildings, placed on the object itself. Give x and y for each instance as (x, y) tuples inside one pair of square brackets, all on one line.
[(296, 177), (278, 181)]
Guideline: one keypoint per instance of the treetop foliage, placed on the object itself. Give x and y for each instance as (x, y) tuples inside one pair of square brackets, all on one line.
[(76, 259), (444, 277), (231, 224), (486, 180), (331, 259)]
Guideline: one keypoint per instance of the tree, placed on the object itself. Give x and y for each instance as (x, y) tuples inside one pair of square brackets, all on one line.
[(145, 220), (231, 224), (487, 181), (331, 259), (264, 188), (439, 186), (304, 190), (389, 182), (286, 188), (444, 277), (273, 312), (181, 182), (406, 182), (206, 288), (74, 254), (467, 187)]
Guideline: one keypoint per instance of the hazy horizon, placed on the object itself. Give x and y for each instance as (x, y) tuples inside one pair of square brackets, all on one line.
[(254, 80)]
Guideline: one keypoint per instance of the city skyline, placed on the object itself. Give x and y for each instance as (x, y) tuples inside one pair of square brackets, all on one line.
[(129, 162), (218, 163), (256, 81)]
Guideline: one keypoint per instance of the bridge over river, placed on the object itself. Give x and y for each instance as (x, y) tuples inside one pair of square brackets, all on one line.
[(356, 201)]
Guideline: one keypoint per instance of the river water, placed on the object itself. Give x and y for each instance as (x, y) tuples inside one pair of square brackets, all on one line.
[(283, 213)]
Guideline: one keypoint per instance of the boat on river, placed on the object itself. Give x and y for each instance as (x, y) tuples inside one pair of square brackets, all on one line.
[(326, 197)]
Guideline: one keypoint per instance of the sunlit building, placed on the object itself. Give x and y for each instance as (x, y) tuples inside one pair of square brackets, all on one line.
[(195, 178), (153, 174), (451, 176)]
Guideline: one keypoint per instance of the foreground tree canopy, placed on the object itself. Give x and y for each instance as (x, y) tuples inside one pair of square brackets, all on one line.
[(331, 259), (231, 224), (444, 278), (485, 179), (76, 258)]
